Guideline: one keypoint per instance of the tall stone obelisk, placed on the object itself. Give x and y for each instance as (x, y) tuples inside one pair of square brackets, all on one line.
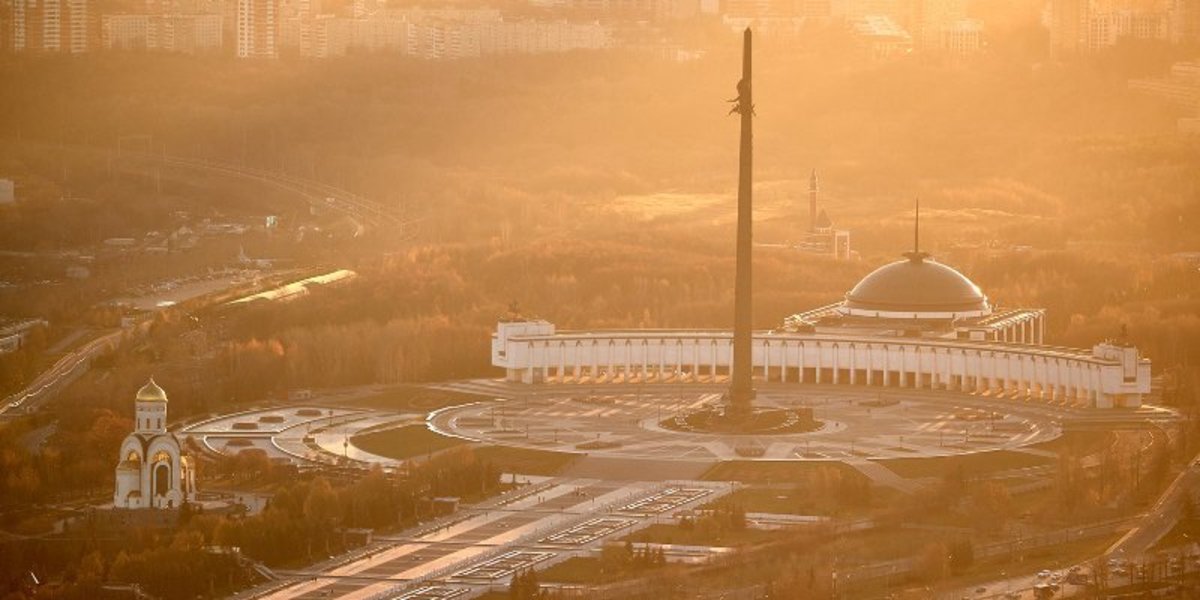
[(741, 391)]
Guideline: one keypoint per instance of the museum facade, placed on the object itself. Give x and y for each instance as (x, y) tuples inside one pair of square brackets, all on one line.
[(915, 323)]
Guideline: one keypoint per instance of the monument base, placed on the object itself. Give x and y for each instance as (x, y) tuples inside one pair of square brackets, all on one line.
[(721, 420)]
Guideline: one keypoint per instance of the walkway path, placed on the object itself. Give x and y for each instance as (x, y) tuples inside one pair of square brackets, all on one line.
[(881, 475)]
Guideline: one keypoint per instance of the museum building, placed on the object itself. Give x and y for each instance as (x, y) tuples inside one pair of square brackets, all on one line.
[(914, 323)]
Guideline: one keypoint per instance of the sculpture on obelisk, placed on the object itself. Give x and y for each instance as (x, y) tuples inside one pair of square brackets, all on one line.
[(741, 390)]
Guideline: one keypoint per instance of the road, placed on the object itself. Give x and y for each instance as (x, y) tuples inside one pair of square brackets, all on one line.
[(66, 370), (1135, 544), (897, 568), (1161, 518)]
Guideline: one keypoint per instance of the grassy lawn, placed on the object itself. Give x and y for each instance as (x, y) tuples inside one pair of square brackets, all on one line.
[(882, 544), (495, 594), (525, 461), (588, 570), (412, 398), (696, 536), (766, 500), (1184, 532), (404, 442), (579, 569), (41, 522), (970, 464), (748, 471), (789, 502), (1083, 443)]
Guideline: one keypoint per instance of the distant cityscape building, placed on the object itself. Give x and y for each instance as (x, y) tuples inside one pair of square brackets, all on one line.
[(930, 20), (153, 471), (1068, 26), (258, 28), (962, 37), (856, 10), (882, 36), (887, 28), (1083, 26), (316, 29), (311, 28), (191, 33), (436, 34), (55, 26), (1185, 21), (185, 33), (126, 32)]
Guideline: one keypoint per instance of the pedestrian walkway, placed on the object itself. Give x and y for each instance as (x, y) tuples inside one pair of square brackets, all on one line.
[(881, 475)]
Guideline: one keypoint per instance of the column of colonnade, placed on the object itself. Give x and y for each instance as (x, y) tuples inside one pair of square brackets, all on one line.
[(783, 362)]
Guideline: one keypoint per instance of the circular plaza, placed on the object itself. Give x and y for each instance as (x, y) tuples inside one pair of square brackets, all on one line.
[(628, 422)]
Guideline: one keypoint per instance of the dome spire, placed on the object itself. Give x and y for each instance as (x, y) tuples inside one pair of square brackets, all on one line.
[(917, 228), (916, 255)]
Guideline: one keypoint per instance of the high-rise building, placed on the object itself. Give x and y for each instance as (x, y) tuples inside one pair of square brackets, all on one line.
[(857, 10), (186, 33), (753, 8), (1184, 21), (814, 8), (1068, 26), (191, 33), (325, 36), (47, 26), (380, 33), (6, 25), (882, 37), (258, 28), (928, 21), (76, 34), (534, 37), (1078, 26), (962, 37), (126, 32)]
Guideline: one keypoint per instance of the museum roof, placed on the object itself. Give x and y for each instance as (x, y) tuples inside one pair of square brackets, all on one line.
[(917, 284)]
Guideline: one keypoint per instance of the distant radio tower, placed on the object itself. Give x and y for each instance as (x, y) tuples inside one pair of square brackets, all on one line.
[(813, 189)]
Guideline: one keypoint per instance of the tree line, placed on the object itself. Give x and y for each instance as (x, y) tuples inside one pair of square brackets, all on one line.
[(205, 555)]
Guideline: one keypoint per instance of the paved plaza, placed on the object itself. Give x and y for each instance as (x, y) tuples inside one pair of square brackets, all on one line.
[(619, 428), (856, 424), (481, 547), (302, 435)]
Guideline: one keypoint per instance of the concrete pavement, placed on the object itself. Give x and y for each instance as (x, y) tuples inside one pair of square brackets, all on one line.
[(482, 547)]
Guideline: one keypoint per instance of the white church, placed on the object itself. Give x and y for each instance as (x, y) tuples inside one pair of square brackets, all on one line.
[(153, 472)]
